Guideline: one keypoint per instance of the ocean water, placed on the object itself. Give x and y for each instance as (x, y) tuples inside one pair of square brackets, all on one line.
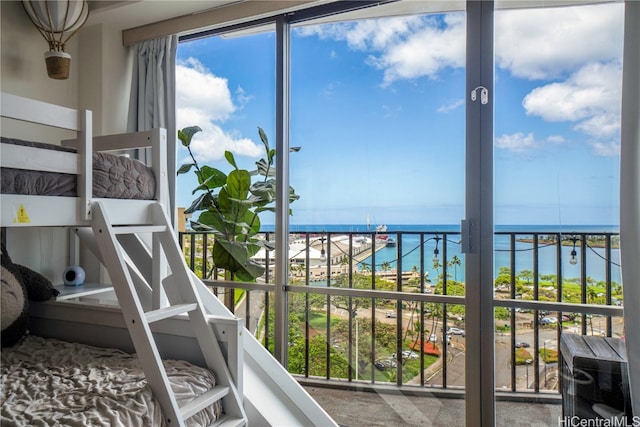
[(547, 264)]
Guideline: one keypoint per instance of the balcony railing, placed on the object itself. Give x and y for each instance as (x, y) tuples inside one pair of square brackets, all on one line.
[(389, 309)]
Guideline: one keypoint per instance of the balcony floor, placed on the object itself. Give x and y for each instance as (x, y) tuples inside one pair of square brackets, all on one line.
[(364, 408)]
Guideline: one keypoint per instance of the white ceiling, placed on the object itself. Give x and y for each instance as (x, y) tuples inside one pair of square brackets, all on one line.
[(125, 14)]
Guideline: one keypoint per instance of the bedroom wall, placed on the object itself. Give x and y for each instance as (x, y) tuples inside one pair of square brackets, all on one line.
[(23, 73), (23, 70), (104, 82)]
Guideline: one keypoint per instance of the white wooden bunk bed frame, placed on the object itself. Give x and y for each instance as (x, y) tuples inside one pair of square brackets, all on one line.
[(145, 309), (94, 316), (74, 211)]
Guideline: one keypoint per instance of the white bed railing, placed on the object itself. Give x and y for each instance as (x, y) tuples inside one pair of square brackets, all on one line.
[(22, 210)]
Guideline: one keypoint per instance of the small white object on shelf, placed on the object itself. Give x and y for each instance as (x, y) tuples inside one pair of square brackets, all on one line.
[(73, 275)]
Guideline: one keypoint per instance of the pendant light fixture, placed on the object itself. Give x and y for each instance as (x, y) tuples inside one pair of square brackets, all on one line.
[(57, 21)]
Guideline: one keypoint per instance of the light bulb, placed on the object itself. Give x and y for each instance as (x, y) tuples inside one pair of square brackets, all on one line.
[(436, 259), (573, 260)]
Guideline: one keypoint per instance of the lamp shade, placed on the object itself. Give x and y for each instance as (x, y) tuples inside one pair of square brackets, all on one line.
[(57, 21)]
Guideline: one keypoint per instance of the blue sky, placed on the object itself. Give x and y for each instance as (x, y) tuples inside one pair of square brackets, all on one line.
[(378, 109)]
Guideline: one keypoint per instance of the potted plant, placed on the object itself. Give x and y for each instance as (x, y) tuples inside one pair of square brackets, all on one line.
[(229, 205)]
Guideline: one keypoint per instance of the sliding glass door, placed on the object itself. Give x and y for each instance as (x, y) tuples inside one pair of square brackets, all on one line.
[(557, 154), (378, 109)]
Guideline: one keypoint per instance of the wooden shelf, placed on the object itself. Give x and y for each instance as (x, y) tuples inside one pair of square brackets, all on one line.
[(70, 292)]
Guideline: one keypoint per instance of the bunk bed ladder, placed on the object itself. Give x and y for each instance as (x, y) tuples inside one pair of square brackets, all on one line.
[(183, 299)]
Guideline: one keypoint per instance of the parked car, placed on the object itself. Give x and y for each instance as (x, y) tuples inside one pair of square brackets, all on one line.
[(548, 320), (522, 344), (433, 338), (385, 364), (455, 331), (391, 314), (406, 354)]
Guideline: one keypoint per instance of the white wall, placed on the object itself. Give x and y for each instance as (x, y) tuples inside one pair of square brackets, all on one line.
[(98, 81), (23, 70), (99, 78), (105, 82)]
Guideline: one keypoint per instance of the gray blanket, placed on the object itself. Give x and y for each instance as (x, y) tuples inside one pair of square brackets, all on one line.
[(114, 177), (46, 382)]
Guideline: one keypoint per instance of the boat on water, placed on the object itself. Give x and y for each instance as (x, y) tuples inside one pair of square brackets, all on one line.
[(391, 242), (381, 228)]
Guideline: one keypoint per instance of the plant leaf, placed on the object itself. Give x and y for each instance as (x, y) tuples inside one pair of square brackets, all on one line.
[(185, 135), (185, 168), (212, 177), (238, 184), (263, 138), (232, 161), (202, 202)]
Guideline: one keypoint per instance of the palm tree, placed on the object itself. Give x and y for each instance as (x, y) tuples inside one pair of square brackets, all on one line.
[(385, 266), (455, 262)]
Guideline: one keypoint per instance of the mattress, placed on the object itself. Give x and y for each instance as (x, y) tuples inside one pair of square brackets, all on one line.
[(115, 177), (47, 382)]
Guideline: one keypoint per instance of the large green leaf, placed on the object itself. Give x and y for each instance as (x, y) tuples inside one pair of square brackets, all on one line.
[(185, 135), (263, 138), (185, 168), (250, 271), (204, 201), (232, 161), (253, 222), (238, 184), (224, 201), (212, 177), (214, 220), (228, 255)]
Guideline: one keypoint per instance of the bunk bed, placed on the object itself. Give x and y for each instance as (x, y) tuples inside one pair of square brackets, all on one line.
[(109, 322), (72, 206)]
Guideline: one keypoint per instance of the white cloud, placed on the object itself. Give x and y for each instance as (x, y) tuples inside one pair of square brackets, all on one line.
[(590, 97), (205, 100), (451, 106), (532, 43), (427, 52), (543, 43), (556, 139), (211, 144), (518, 142), (200, 90), (402, 47), (606, 148)]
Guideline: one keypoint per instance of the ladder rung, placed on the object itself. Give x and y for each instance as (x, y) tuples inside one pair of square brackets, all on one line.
[(205, 399), (132, 229), (171, 311)]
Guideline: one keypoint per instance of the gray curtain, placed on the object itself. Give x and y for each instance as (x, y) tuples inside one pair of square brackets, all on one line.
[(630, 195), (153, 97)]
